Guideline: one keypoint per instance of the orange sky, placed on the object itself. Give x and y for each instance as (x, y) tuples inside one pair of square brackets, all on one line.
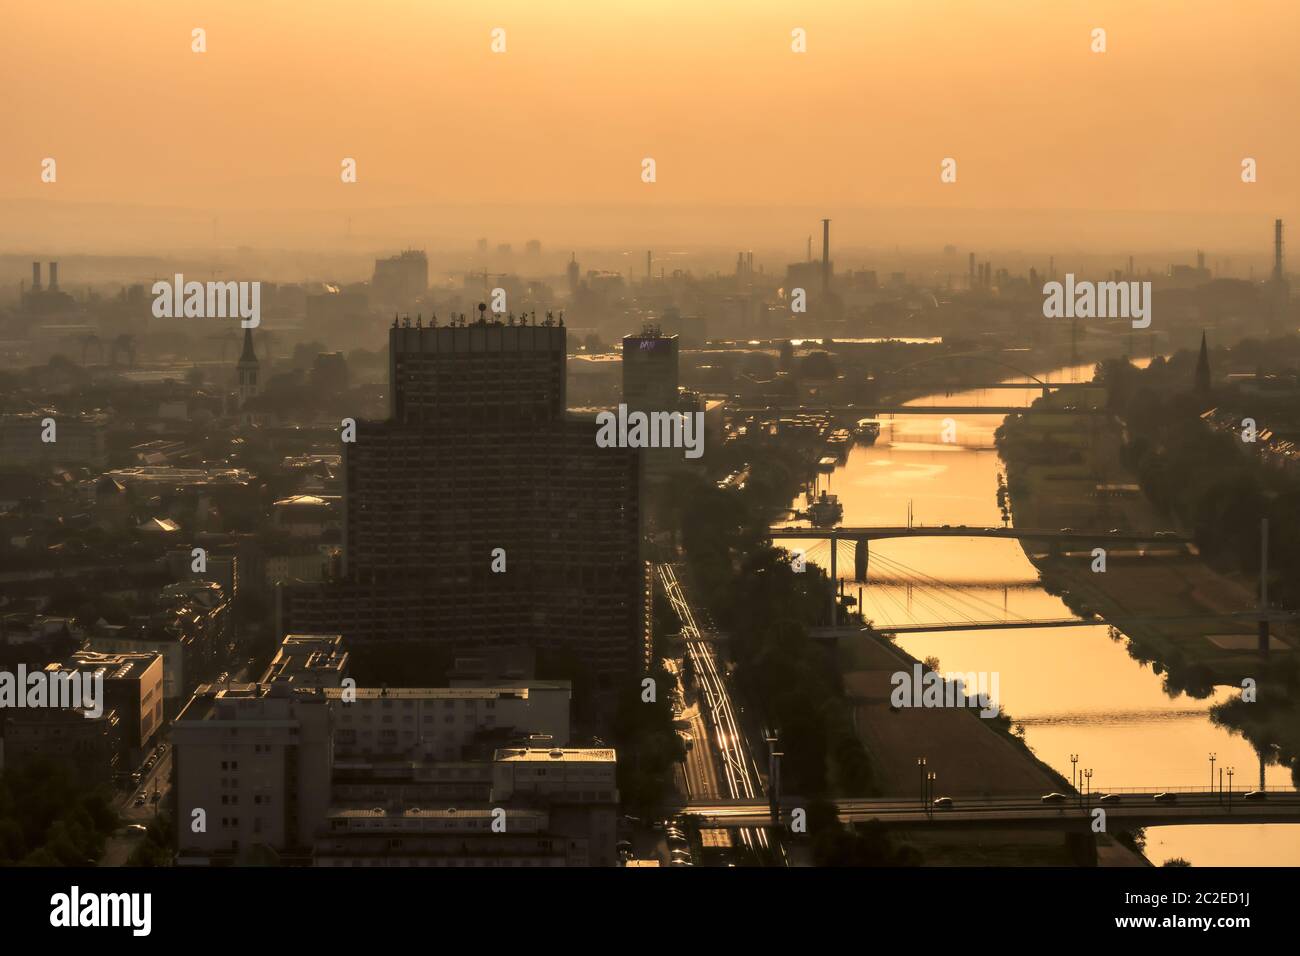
[(252, 132)]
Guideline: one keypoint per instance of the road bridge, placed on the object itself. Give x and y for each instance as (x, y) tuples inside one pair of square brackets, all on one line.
[(1023, 811)]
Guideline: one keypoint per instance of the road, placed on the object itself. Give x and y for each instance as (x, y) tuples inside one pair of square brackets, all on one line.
[(740, 774), (119, 846)]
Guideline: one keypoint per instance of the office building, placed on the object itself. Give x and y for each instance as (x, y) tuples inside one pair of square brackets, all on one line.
[(482, 515)]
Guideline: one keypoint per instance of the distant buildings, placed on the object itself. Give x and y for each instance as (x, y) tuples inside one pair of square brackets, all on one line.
[(401, 280), (27, 439), (189, 627)]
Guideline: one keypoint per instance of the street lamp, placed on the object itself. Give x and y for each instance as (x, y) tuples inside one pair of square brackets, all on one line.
[(1074, 761), (930, 801), (1230, 773), (1087, 775), (920, 762), (1212, 757)]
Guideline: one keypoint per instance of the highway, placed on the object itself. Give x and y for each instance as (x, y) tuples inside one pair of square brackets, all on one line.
[(1132, 809), (739, 772)]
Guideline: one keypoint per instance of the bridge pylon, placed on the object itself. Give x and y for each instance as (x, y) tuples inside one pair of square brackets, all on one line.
[(861, 556)]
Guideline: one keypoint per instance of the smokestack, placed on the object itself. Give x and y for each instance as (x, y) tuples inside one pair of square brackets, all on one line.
[(1277, 250), (826, 256), (54, 277), (36, 277)]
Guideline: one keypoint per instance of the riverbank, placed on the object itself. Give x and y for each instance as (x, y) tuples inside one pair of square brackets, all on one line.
[(973, 759), (1061, 475)]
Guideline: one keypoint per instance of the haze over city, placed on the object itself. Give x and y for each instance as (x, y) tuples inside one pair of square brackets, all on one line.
[(611, 435), (1056, 146)]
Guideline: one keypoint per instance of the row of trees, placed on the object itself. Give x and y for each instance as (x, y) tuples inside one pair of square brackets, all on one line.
[(48, 818)]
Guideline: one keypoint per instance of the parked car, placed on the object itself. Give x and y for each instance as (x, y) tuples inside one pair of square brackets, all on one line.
[(139, 801)]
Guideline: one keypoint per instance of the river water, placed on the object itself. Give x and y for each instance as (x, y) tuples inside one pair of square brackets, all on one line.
[(1075, 690)]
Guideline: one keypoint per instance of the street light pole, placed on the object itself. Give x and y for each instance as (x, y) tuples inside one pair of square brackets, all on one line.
[(920, 762), (1230, 773), (1074, 762), (1087, 800), (1212, 773)]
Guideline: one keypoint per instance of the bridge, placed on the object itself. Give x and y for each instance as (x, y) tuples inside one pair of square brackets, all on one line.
[(862, 535), (874, 410), (1011, 624), (1023, 811), (965, 531)]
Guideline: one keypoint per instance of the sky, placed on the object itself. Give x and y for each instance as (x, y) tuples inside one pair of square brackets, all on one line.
[(753, 142)]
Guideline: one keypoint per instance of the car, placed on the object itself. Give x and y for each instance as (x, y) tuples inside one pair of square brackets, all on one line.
[(135, 830), (657, 825), (679, 856), (1108, 798), (1166, 534), (1165, 798), (677, 840), (1054, 798), (1067, 531), (623, 845), (1255, 795), (1116, 530), (139, 801), (681, 863), (631, 820), (943, 803)]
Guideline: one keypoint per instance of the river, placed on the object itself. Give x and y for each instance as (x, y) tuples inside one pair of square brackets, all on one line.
[(1075, 690)]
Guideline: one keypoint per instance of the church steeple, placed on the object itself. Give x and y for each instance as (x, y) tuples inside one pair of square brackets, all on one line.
[(1203, 368), (248, 355), (247, 369)]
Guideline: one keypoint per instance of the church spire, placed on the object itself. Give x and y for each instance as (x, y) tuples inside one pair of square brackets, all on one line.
[(248, 356), (1203, 368)]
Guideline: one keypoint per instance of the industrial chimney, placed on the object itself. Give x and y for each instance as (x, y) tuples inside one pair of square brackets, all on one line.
[(826, 257), (36, 277), (1278, 274), (54, 277)]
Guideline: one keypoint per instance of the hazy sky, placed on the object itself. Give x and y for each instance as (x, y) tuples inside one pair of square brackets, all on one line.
[(1139, 144)]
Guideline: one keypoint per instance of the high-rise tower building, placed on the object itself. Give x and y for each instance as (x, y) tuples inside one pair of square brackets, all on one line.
[(482, 514), (650, 371)]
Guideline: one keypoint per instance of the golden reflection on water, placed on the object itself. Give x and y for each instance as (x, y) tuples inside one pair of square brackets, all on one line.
[(1074, 688)]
